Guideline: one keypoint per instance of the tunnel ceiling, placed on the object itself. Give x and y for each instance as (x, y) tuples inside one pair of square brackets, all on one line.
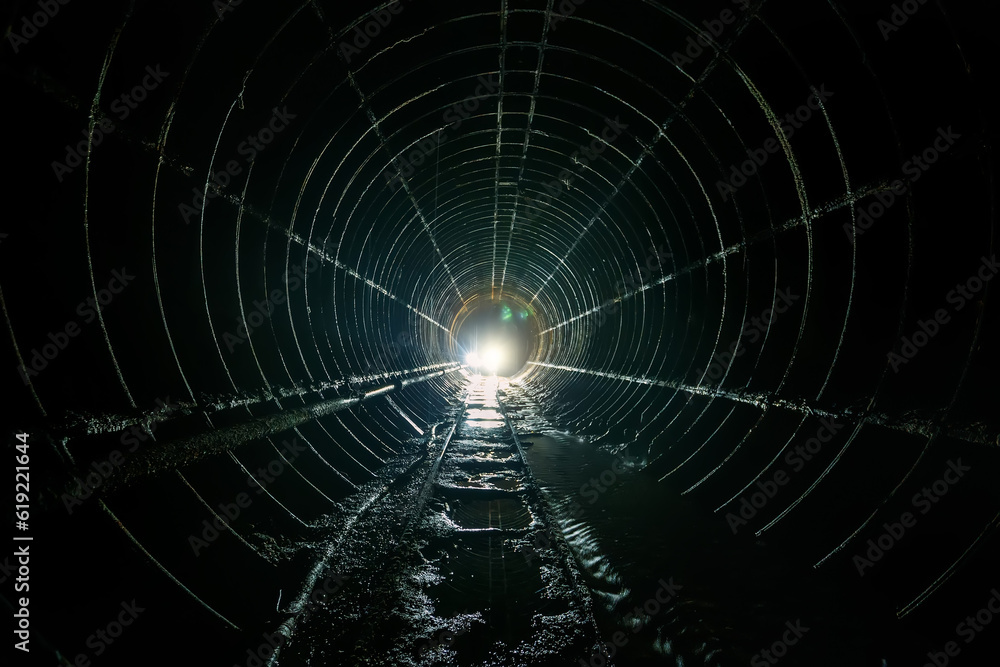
[(726, 220), (582, 159)]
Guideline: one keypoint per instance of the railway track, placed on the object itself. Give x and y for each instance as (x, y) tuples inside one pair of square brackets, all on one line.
[(478, 575)]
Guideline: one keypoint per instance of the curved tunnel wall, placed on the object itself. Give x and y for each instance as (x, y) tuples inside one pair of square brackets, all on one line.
[(725, 244)]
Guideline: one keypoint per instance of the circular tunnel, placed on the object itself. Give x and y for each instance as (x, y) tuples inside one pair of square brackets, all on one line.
[(258, 255)]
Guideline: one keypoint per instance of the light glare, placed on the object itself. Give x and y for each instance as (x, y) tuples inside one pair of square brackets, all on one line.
[(494, 357), (491, 360)]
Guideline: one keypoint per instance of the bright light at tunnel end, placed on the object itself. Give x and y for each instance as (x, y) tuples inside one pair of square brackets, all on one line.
[(491, 359)]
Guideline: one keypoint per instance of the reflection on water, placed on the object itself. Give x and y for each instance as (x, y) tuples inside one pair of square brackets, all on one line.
[(481, 423), (480, 413), (633, 535)]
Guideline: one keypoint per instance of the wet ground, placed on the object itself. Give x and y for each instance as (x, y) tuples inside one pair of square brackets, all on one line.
[(736, 598), (474, 558), (478, 576)]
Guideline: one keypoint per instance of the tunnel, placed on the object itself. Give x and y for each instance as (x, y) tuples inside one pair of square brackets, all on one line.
[(500, 332)]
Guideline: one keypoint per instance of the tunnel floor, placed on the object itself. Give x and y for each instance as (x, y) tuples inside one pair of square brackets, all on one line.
[(540, 549), (479, 575)]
